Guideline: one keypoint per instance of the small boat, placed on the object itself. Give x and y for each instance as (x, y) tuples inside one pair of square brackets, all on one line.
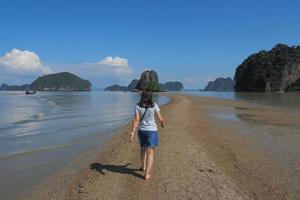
[(30, 92)]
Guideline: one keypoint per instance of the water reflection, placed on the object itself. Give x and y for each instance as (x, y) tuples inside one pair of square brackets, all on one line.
[(276, 99), (257, 115), (226, 116)]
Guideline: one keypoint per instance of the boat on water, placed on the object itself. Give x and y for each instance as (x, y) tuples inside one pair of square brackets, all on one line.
[(30, 92)]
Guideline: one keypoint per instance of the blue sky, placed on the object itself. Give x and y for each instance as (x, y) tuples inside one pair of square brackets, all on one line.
[(114, 41)]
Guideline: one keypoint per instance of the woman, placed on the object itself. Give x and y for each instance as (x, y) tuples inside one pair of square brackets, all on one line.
[(147, 132)]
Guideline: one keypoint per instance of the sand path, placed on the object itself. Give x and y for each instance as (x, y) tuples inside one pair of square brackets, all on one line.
[(181, 170)]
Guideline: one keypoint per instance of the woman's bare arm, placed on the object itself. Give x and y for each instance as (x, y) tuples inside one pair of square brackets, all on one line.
[(135, 123), (160, 119)]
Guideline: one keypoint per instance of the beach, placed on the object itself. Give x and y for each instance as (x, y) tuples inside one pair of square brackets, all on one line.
[(199, 157), (225, 76)]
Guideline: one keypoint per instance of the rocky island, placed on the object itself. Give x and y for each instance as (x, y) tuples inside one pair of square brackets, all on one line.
[(220, 84), (148, 81), (5, 87), (274, 70), (132, 85), (64, 81), (116, 88), (171, 86)]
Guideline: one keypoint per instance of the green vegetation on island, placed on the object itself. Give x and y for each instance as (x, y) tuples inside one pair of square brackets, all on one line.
[(130, 87), (116, 88), (274, 70), (171, 86), (220, 84), (148, 81), (64, 81), (5, 87)]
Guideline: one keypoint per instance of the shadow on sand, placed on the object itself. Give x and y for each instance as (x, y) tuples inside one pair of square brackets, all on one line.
[(121, 169)]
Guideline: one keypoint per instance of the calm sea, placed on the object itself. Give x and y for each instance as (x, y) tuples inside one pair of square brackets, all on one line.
[(39, 134)]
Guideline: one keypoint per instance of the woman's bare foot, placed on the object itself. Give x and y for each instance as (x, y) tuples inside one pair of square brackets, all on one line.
[(147, 176), (142, 169)]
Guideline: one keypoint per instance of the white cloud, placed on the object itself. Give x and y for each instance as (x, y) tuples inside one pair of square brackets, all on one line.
[(112, 65), (116, 61), (23, 61)]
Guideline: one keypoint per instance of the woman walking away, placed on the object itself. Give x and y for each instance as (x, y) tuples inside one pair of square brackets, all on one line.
[(147, 131)]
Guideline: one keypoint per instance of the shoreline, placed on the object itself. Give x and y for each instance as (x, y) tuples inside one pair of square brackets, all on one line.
[(54, 186), (203, 163)]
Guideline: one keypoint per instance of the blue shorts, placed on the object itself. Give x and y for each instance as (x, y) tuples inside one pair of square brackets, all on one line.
[(148, 138)]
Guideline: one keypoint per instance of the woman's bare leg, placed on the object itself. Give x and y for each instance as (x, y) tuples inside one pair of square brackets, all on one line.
[(150, 155), (143, 158)]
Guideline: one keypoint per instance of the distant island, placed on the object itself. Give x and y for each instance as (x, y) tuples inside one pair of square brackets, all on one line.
[(148, 81), (171, 86), (274, 70), (220, 84), (64, 81), (116, 88), (5, 87), (130, 87)]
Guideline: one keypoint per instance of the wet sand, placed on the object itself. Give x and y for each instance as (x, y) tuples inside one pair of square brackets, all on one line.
[(197, 159)]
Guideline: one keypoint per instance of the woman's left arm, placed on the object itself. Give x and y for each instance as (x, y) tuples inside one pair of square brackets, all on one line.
[(135, 123)]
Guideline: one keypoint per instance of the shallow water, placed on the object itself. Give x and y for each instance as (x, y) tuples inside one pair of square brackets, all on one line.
[(279, 143), (277, 99), (40, 134), (273, 131)]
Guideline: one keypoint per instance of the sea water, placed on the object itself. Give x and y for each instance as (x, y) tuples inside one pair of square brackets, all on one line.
[(42, 133), (288, 100)]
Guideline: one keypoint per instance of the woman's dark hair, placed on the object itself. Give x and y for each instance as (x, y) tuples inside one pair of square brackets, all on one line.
[(146, 100)]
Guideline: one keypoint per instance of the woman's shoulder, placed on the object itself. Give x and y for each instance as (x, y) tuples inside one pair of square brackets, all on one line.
[(139, 106), (155, 105)]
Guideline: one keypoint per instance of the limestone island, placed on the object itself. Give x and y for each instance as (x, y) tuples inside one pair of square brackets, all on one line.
[(148, 81), (220, 84), (274, 70), (63, 81)]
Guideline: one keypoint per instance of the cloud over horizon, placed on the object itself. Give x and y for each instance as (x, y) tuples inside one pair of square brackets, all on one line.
[(23, 61), (17, 65), (23, 66), (116, 61), (111, 65)]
